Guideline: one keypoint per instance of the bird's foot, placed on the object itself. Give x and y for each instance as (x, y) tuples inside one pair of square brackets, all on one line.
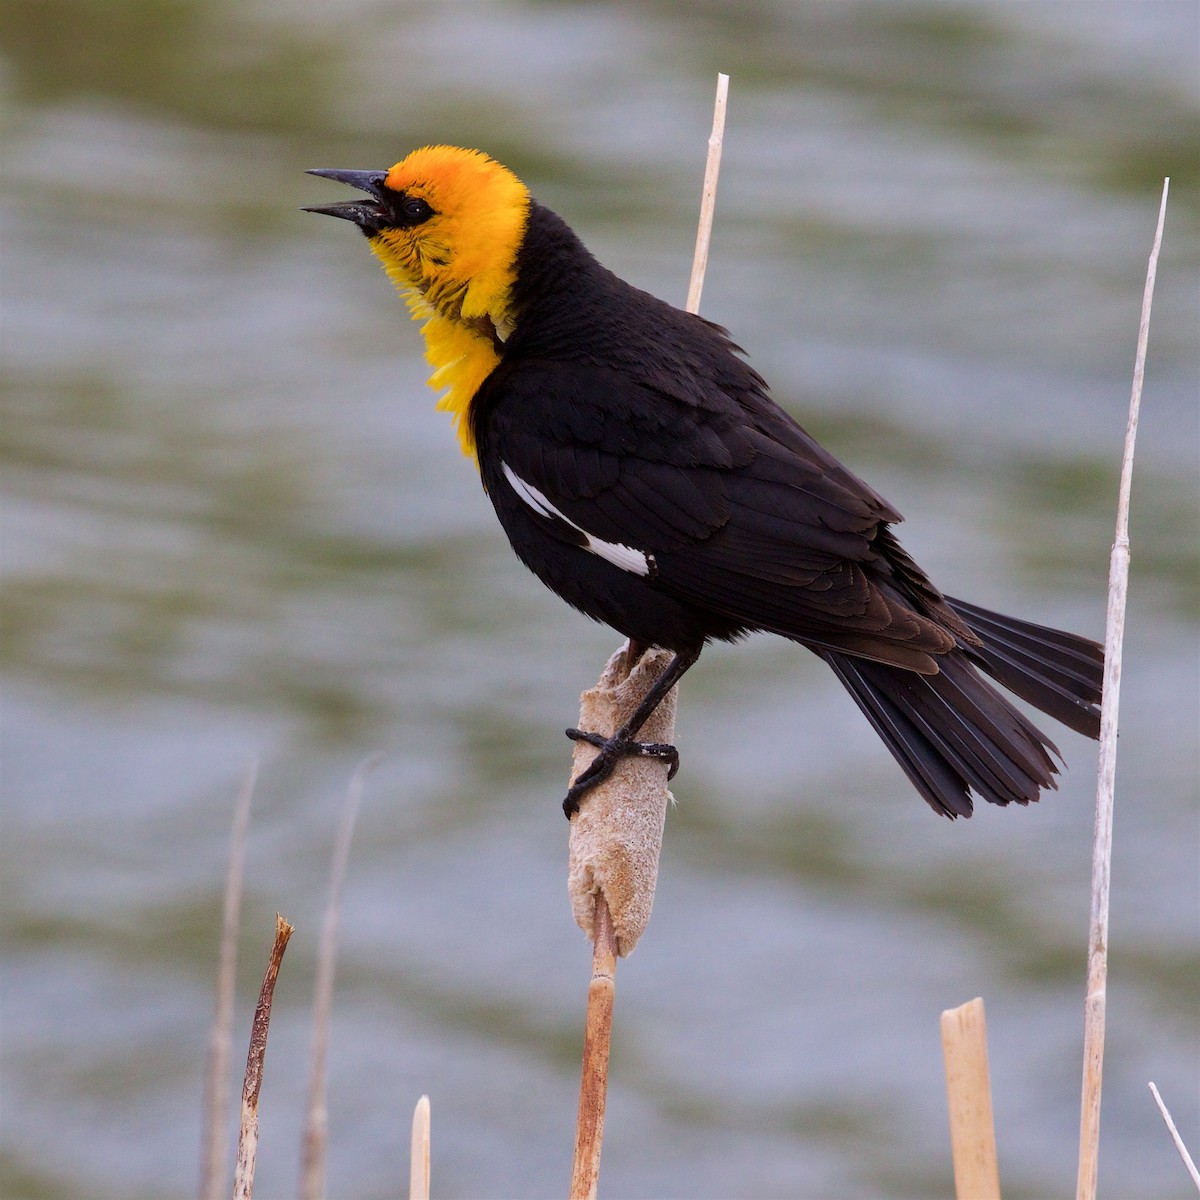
[(612, 750)]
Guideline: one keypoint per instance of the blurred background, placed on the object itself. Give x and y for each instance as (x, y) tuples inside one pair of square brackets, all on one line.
[(235, 527)]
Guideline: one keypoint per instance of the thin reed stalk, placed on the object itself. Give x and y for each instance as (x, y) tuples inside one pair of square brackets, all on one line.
[(220, 1041), (1095, 1004), (708, 196), (1183, 1150), (316, 1127)]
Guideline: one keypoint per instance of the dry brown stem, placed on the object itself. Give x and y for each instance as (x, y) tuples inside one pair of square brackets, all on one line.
[(593, 1084), (243, 1181)]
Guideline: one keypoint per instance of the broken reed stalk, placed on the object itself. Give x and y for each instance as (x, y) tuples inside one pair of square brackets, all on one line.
[(616, 837), (418, 1170), (1183, 1150), (243, 1179), (216, 1077), (969, 1098), (1118, 583), (316, 1127)]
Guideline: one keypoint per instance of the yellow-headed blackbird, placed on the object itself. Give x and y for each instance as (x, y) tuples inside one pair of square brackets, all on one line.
[(642, 472)]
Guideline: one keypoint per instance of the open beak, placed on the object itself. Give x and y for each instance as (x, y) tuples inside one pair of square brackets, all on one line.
[(368, 214)]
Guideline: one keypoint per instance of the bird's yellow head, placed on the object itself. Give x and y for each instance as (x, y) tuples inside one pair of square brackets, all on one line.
[(446, 223), (460, 256)]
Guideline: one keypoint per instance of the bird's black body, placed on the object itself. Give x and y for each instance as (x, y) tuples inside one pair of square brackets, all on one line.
[(640, 427), (642, 472)]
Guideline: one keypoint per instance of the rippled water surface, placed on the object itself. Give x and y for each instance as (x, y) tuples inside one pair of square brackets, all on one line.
[(234, 526)]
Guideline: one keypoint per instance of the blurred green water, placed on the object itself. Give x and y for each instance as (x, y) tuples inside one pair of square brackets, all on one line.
[(233, 524)]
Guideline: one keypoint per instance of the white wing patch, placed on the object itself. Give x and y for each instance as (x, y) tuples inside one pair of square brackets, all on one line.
[(638, 562)]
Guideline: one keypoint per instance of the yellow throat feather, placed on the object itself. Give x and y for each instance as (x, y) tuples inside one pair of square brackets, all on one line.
[(456, 270)]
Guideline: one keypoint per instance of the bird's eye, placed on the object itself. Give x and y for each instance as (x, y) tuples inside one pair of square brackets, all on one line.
[(412, 210)]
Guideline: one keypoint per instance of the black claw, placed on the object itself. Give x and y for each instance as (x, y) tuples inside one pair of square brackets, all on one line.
[(598, 770), (663, 750), (593, 739), (612, 750)]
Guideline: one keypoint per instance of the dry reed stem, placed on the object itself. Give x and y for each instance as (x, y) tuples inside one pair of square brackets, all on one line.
[(418, 1170), (969, 1097), (708, 196), (243, 1180), (1183, 1150), (593, 1084), (220, 1040), (316, 1127), (1118, 583)]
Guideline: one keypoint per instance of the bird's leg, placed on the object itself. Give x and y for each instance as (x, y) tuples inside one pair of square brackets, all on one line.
[(634, 651), (621, 744)]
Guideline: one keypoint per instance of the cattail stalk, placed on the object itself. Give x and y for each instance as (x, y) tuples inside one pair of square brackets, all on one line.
[(616, 837)]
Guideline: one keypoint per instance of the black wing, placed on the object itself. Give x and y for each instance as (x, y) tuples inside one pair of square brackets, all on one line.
[(737, 511)]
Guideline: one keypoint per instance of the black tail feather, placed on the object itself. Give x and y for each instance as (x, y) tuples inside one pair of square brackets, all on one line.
[(1060, 673), (931, 774), (954, 734)]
